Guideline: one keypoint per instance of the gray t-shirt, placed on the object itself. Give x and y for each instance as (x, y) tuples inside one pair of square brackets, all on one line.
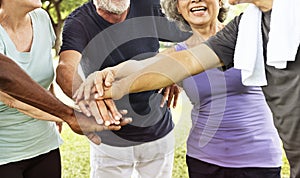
[(283, 89)]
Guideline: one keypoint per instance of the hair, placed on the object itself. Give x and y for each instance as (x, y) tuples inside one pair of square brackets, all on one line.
[(170, 9)]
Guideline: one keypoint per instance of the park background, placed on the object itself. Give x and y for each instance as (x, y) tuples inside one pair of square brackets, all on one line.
[(75, 150)]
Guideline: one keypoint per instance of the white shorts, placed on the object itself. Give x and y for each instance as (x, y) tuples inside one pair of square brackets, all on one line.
[(149, 160)]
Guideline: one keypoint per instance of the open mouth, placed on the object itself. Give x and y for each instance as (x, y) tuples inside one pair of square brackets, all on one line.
[(198, 9)]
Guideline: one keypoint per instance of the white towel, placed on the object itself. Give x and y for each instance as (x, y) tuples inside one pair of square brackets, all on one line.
[(284, 40), (284, 36)]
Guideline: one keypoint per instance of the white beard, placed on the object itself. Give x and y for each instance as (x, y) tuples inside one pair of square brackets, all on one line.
[(113, 6)]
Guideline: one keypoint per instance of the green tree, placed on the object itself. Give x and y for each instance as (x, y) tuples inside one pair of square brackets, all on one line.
[(58, 10)]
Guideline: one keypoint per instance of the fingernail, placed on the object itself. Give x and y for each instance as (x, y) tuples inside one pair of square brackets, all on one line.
[(117, 118), (99, 121), (106, 123)]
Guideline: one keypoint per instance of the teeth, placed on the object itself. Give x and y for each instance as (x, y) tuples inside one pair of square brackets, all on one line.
[(198, 9)]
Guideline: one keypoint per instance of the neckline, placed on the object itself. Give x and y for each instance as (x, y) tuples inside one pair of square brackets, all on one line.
[(9, 40)]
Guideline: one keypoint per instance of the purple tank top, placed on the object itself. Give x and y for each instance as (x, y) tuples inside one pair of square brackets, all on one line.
[(232, 125)]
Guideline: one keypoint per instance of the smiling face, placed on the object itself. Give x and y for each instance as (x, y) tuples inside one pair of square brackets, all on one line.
[(113, 6), (199, 13)]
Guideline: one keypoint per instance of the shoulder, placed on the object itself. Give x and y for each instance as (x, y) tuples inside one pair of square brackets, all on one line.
[(40, 14), (82, 16), (82, 11)]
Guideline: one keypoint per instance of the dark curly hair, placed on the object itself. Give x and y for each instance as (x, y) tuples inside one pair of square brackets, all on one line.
[(170, 9)]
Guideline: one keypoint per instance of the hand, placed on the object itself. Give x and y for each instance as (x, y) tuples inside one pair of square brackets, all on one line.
[(170, 93), (96, 82), (84, 125), (104, 111)]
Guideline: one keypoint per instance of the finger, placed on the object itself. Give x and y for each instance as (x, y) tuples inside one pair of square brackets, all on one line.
[(95, 112), (79, 93), (175, 100), (75, 94), (125, 121), (87, 89), (98, 82), (104, 112), (165, 96), (114, 127), (109, 79), (83, 107), (96, 96), (123, 111), (112, 120), (170, 97), (113, 110), (93, 137)]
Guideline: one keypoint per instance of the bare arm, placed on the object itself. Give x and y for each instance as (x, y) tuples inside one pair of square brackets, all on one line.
[(16, 83), (67, 76), (69, 81), (27, 109), (168, 69)]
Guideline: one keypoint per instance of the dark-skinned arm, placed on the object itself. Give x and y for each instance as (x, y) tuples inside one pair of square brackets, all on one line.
[(16, 83)]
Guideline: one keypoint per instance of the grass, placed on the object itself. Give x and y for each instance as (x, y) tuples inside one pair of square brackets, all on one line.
[(75, 150)]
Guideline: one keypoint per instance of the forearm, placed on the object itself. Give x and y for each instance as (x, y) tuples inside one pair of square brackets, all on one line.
[(168, 69), (128, 67), (27, 109), (67, 76), (16, 83)]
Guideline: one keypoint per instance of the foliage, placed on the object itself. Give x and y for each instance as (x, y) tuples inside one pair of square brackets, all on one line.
[(58, 10), (65, 7)]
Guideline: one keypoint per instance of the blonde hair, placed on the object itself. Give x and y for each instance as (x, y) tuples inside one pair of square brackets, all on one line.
[(170, 9)]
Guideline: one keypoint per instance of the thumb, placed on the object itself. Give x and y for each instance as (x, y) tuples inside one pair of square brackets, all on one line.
[(93, 137)]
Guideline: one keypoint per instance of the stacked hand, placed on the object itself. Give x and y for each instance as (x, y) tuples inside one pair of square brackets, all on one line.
[(103, 110)]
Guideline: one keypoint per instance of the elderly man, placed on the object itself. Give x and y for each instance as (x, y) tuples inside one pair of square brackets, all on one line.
[(103, 33)]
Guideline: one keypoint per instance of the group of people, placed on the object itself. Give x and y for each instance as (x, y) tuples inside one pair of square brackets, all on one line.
[(101, 58)]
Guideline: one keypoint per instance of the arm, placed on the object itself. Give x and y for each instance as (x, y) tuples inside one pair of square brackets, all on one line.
[(102, 80), (69, 80), (27, 109), (67, 76), (168, 69), (16, 83)]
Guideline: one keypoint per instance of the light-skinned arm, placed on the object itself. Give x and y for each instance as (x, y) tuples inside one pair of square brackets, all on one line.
[(168, 69), (27, 109)]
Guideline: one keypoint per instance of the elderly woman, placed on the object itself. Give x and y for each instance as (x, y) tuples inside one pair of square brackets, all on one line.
[(29, 147), (232, 133)]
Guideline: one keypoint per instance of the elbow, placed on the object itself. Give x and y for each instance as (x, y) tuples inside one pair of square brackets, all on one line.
[(59, 74), (61, 79)]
